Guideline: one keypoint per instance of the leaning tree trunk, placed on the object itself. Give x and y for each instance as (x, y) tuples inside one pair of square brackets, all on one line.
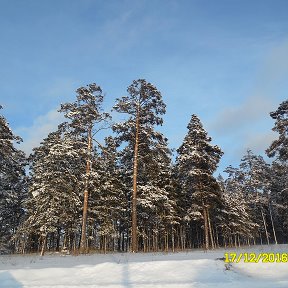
[(272, 222), (210, 228), (134, 247), (83, 244), (265, 225)]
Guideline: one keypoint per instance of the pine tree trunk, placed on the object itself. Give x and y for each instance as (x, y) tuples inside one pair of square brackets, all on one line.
[(149, 240), (44, 241), (65, 246), (134, 195), (177, 235), (272, 222), (182, 237), (58, 240), (238, 238), (166, 240), (172, 240), (144, 240), (210, 228), (265, 226), (260, 235), (105, 243), (206, 231), (197, 237), (217, 237), (83, 244)]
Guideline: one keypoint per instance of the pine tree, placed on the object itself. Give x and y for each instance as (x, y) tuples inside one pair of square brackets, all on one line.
[(144, 156), (279, 147), (278, 202), (279, 187), (236, 220), (155, 206), (108, 204), (54, 203), (12, 185), (196, 162), (86, 119), (256, 180)]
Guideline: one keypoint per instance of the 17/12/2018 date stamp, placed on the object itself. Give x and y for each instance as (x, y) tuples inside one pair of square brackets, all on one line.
[(256, 257)]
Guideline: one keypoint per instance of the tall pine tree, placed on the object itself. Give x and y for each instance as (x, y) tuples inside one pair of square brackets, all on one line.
[(144, 156), (54, 202), (279, 147), (12, 185), (256, 185), (196, 162), (279, 150), (86, 119), (237, 221)]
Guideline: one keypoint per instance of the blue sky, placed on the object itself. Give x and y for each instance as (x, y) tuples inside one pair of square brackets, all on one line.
[(224, 60)]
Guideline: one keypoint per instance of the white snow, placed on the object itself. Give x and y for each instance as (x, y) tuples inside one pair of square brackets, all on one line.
[(195, 269)]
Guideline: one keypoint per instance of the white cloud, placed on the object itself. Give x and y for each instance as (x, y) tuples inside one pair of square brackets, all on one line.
[(233, 118), (41, 127), (260, 142), (257, 143)]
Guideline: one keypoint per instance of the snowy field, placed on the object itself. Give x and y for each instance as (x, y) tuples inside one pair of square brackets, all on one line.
[(195, 269)]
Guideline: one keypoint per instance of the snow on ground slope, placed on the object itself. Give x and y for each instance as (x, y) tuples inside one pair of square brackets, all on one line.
[(195, 269)]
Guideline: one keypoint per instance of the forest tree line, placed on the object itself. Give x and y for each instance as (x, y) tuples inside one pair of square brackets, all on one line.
[(77, 192)]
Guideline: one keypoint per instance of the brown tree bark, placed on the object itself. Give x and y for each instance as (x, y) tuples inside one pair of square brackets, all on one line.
[(210, 228), (44, 242), (172, 239), (206, 229), (265, 226), (134, 247), (83, 243), (272, 222)]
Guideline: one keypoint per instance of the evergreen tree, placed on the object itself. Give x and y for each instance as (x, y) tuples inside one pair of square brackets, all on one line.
[(279, 147), (108, 204), (12, 185), (237, 223), (86, 119), (196, 162), (279, 187), (145, 156), (256, 184), (278, 201), (54, 203)]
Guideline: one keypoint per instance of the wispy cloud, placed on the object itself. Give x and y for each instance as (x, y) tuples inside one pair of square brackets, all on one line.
[(232, 119), (263, 98), (260, 142), (41, 127), (244, 126)]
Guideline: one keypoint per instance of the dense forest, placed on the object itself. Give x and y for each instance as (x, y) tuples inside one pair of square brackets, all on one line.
[(79, 193)]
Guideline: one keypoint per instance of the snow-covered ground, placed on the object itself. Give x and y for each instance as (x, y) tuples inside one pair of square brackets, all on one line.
[(195, 269)]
